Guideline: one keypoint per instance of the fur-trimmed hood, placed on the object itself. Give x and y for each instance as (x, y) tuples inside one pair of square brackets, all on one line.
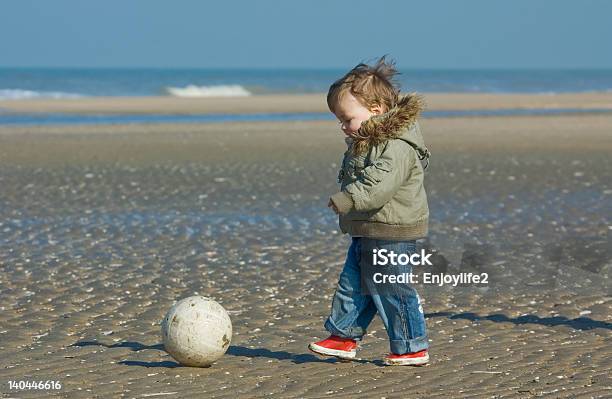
[(397, 123)]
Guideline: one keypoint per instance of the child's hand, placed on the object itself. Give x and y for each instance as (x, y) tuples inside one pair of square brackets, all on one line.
[(331, 205)]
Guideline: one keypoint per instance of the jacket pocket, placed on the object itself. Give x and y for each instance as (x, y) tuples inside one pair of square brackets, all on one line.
[(376, 171)]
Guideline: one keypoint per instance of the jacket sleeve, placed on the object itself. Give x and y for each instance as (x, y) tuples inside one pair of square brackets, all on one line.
[(379, 181)]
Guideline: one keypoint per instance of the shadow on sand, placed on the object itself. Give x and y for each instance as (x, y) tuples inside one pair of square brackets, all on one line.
[(293, 357), (579, 323), (134, 347), (234, 350)]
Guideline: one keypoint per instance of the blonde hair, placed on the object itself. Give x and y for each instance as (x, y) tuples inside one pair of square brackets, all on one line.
[(371, 85)]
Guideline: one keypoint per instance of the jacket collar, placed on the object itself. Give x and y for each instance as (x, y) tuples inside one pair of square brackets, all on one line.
[(390, 125)]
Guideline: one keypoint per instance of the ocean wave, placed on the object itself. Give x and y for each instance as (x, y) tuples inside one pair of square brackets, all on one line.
[(208, 91), (20, 94)]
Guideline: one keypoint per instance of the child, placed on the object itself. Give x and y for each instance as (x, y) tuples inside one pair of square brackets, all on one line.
[(382, 205)]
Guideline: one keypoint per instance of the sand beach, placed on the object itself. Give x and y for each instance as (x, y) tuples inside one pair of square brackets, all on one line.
[(103, 227)]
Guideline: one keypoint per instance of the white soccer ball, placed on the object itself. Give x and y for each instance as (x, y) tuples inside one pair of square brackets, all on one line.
[(196, 331)]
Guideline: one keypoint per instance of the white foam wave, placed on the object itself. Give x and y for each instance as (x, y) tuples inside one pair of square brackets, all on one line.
[(19, 94), (208, 91)]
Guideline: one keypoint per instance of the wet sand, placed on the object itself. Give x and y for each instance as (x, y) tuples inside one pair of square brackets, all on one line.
[(296, 103), (103, 227)]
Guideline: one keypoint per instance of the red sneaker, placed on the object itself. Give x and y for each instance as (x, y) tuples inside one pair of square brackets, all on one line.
[(344, 348), (408, 359)]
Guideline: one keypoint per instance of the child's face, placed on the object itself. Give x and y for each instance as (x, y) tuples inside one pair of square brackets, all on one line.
[(351, 114)]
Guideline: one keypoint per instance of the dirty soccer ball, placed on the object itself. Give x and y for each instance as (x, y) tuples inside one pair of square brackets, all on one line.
[(196, 331)]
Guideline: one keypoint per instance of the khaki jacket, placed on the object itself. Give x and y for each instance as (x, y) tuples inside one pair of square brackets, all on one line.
[(382, 194)]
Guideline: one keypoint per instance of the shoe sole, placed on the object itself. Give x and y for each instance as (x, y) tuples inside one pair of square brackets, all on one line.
[(321, 350), (415, 361)]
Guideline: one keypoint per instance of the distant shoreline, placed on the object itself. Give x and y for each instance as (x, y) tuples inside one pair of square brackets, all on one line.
[(298, 103)]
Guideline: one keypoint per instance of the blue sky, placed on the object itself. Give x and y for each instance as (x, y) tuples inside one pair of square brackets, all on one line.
[(333, 33)]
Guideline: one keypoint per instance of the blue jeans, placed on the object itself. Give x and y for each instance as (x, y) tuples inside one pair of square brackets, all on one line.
[(352, 310)]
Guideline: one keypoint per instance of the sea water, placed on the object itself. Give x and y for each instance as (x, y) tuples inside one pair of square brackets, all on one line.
[(17, 83)]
